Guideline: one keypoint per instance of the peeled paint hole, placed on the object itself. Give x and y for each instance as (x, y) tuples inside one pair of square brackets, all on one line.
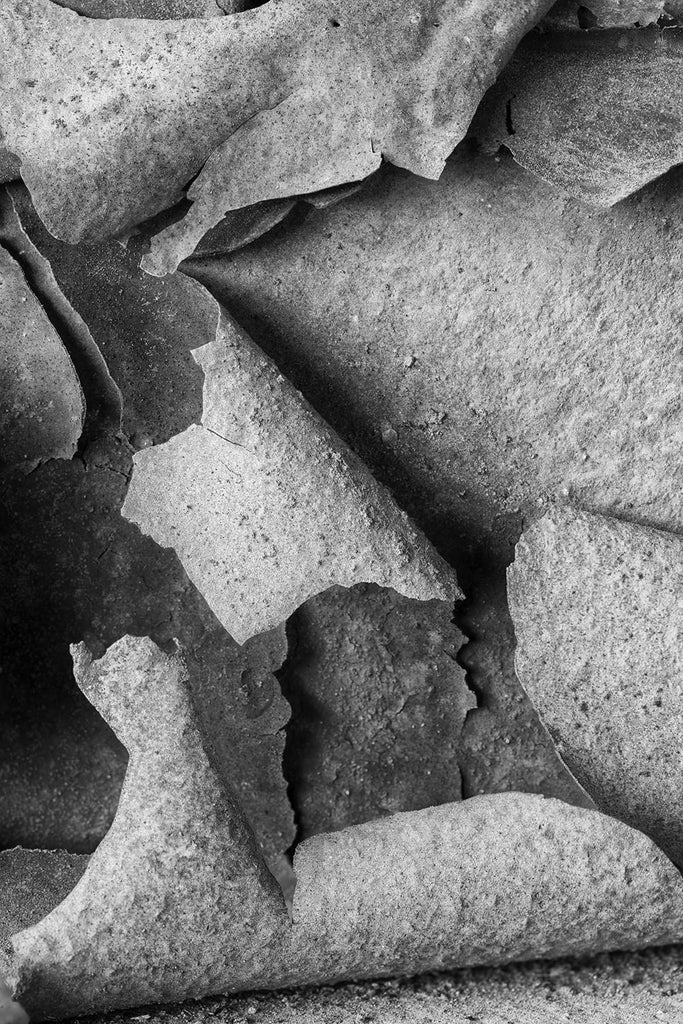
[(379, 699), (61, 773)]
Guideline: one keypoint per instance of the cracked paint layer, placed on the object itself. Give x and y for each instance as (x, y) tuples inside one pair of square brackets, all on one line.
[(118, 152), (265, 506), (569, 14), (10, 165), (176, 897), (177, 902), (73, 568), (597, 605), (453, 401), (86, 572), (41, 403), (145, 328), (596, 114)]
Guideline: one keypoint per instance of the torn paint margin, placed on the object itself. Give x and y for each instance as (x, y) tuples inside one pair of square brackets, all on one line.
[(266, 506), (597, 607)]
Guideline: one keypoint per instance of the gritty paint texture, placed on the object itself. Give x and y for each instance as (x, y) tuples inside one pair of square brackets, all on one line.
[(145, 328), (598, 610), (612, 13), (240, 227), (177, 903), (157, 9), (176, 898), (378, 706), (622, 988), (266, 507), (32, 883), (420, 344), (504, 877), (317, 98), (41, 402), (9, 166), (101, 396), (72, 568), (596, 114), (86, 572)]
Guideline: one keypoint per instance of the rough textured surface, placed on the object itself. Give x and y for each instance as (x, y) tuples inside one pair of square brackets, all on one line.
[(41, 402), (9, 166), (101, 395), (410, 316), (598, 612), (378, 705), (240, 227), (496, 878), (32, 883), (621, 988), (72, 567), (144, 328), (119, 151), (176, 898), (492, 879), (157, 9), (265, 507), (612, 13), (596, 114)]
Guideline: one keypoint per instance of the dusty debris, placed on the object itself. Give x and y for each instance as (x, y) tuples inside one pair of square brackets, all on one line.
[(320, 98), (264, 505), (176, 899), (596, 114), (597, 605), (378, 706), (41, 402)]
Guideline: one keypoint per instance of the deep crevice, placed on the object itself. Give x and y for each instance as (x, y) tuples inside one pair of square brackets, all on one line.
[(289, 759), (462, 622), (508, 118), (102, 397)]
